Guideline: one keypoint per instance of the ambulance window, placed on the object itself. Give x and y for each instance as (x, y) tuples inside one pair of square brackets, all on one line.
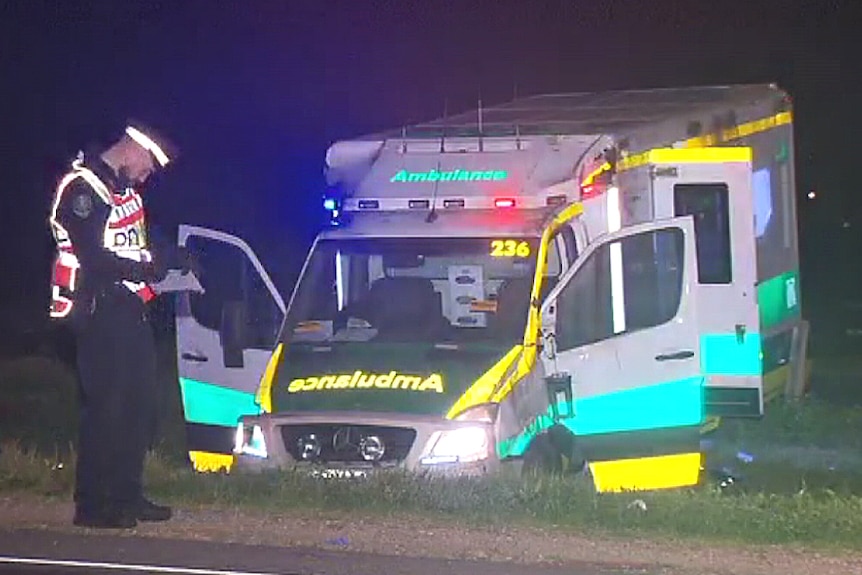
[(229, 278), (263, 316), (562, 252), (624, 286), (708, 203), (554, 267), (584, 305), (221, 277), (761, 183), (567, 236)]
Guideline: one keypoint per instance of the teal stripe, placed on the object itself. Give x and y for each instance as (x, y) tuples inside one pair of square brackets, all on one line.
[(672, 404), (725, 354), (516, 446), (213, 405)]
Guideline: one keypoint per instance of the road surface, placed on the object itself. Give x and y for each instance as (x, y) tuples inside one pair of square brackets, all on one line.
[(40, 552)]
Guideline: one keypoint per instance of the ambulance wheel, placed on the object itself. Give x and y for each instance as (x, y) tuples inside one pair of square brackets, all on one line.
[(542, 458)]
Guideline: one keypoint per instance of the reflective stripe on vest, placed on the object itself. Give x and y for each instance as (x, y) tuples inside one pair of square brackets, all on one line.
[(124, 235)]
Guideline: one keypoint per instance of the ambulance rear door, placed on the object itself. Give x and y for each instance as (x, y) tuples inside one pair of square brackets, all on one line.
[(714, 185)]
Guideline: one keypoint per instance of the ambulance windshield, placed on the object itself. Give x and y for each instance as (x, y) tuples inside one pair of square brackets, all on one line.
[(433, 290)]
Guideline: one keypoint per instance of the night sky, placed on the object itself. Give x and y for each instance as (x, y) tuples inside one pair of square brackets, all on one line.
[(255, 91)]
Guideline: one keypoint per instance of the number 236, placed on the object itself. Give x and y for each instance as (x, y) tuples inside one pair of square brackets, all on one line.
[(509, 249)]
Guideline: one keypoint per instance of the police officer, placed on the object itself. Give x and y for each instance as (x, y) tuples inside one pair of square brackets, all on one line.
[(101, 283)]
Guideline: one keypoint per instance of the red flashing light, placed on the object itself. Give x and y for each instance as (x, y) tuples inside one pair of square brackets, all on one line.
[(504, 202), (592, 191)]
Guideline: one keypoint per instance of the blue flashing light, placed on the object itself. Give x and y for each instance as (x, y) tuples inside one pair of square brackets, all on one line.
[(339, 219), (333, 205)]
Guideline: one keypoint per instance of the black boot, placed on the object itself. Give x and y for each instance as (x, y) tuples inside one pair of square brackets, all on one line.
[(146, 510), (104, 519)]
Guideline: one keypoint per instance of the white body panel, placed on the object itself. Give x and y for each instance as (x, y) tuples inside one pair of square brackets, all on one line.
[(390, 183)]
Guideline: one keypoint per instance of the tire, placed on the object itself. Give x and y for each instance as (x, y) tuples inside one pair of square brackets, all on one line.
[(542, 458)]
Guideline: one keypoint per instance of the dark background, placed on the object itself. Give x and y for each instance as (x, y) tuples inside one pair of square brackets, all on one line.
[(255, 91)]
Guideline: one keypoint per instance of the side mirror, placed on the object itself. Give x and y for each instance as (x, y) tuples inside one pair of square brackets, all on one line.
[(233, 332), (547, 329), (549, 344), (548, 319)]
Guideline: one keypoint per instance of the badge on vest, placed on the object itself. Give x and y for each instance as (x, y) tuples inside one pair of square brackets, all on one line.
[(82, 205)]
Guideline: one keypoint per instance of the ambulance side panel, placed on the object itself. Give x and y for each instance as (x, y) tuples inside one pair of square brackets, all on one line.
[(765, 125), (776, 233)]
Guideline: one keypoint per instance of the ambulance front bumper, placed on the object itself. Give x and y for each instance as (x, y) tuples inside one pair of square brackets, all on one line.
[(347, 444)]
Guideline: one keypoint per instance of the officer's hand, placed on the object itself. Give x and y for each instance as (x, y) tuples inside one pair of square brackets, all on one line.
[(156, 271), (187, 261)]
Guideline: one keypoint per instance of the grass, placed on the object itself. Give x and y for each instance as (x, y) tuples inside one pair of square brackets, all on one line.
[(804, 485), (812, 423), (816, 517), (37, 403)]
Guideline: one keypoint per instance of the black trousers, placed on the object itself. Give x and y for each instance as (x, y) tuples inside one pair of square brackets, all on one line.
[(117, 377)]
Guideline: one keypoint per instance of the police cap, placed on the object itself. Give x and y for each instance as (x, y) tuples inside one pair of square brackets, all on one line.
[(162, 148)]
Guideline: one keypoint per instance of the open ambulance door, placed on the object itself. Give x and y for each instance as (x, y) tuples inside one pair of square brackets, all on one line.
[(225, 336), (624, 360), (715, 186)]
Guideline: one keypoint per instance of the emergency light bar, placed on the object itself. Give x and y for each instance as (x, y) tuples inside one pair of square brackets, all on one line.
[(447, 203), (340, 206)]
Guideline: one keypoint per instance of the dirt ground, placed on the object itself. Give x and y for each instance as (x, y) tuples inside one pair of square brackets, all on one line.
[(421, 537)]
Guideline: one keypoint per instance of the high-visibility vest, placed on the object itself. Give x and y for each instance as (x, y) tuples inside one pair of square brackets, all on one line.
[(125, 235)]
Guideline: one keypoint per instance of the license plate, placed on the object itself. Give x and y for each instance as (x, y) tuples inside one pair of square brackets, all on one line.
[(336, 473)]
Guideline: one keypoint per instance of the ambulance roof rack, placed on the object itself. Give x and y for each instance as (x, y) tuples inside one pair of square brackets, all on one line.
[(611, 112)]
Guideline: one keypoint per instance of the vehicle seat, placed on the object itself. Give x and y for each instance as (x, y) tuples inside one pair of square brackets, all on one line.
[(403, 307)]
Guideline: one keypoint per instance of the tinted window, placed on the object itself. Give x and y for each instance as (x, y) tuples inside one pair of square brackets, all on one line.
[(220, 274), (571, 244), (227, 275), (708, 203), (584, 307), (468, 290), (631, 284)]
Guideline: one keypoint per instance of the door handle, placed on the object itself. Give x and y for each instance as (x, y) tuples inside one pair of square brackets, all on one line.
[(194, 357), (677, 355)]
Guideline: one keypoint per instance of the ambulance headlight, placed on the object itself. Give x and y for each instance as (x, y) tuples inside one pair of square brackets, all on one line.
[(249, 441), (461, 445)]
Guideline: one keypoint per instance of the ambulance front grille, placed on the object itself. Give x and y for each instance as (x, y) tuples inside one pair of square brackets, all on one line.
[(339, 443)]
